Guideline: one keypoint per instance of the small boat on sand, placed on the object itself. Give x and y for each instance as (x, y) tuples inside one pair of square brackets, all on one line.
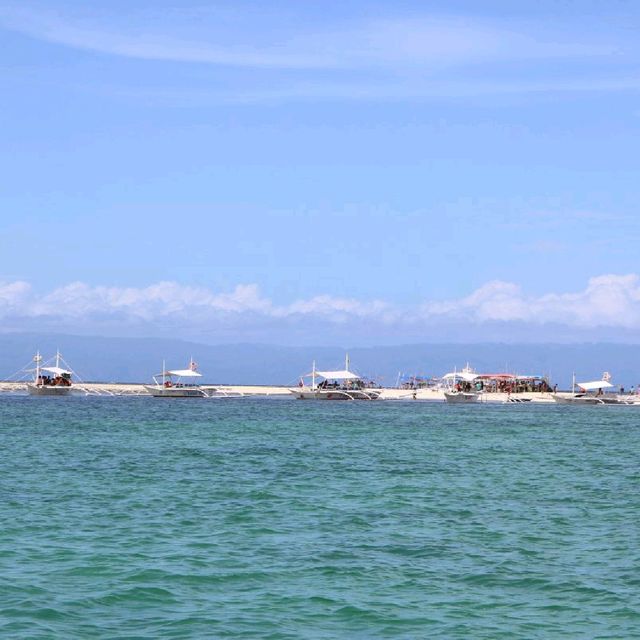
[(177, 383)]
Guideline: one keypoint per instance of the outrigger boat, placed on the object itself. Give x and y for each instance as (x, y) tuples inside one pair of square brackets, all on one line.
[(172, 384), (335, 385), (592, 393), (50, 380), (460, 387)]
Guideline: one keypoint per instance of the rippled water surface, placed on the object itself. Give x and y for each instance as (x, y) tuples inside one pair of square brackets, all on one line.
[(146, 518)]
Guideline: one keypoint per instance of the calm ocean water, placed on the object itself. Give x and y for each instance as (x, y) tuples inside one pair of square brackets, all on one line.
[(143, 518)]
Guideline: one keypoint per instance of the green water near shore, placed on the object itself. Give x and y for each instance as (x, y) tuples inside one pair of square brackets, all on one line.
[(143, 518)]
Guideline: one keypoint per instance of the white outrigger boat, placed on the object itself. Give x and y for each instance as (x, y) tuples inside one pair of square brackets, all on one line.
[(335, 385), (460, 387), (50, 380), (592, 393), (172, 384)]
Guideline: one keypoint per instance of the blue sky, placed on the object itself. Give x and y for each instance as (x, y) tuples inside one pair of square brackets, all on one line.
[(239, 169)]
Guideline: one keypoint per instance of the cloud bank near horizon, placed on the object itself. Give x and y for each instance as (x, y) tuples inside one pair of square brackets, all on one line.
[(606, 302)]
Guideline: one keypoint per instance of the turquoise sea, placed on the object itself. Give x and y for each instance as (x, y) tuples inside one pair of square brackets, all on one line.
[(143, 518)]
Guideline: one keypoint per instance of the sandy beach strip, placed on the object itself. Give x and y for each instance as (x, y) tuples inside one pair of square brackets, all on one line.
[(136, 389)]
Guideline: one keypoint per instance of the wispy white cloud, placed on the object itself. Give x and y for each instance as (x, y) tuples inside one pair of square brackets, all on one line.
[(124, 41), (409, 42), (393, 57), (413, 90), (606, 301)]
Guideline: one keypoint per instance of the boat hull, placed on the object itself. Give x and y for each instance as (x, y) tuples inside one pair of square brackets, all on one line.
[(568, 399), (591, 400), (48, 390), (175, 392), (336, 394), (461, 397)]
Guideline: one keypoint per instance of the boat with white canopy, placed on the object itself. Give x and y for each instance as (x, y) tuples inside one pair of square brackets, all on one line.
[(50, 379), (177, 383), (460, 387), (339, 384), (592, 393)]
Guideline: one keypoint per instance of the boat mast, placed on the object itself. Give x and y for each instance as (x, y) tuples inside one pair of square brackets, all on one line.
[(346, 362), (313, 376), (163, 372), (37, 358)]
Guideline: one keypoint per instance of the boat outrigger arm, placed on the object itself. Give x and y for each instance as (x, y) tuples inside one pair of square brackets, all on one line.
[(351, 395), (355, 394)]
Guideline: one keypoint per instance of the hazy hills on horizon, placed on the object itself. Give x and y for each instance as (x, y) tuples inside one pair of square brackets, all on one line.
[(109, 359)]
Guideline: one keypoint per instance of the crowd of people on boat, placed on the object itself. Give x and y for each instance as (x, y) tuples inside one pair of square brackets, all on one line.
[(351, 385), (168, 384), (512, 385), (56, 381), (486, 384)]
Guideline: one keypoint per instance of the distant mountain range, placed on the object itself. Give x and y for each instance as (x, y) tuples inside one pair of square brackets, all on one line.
[(136, 359)]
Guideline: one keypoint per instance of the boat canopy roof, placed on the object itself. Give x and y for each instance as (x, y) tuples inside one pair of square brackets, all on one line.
[(338, 375), (184, 373), (58, 371), (507, 376), (498, 376), (463, 375), (596, 384)]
